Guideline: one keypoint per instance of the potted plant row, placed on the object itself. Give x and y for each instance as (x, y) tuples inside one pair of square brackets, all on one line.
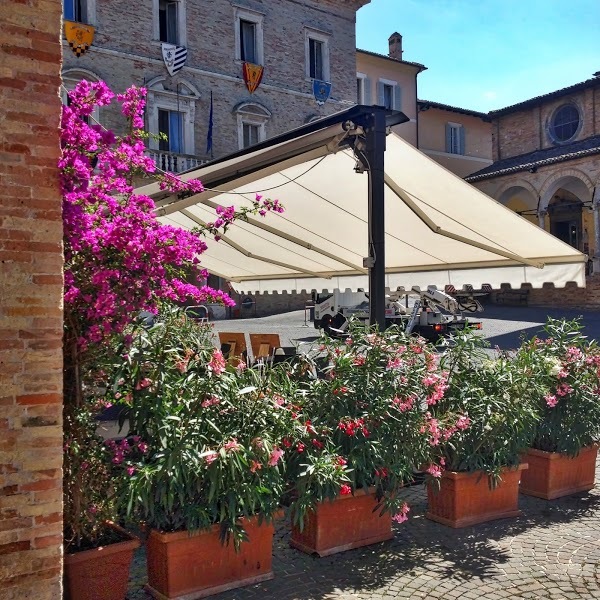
[(203, 458), (475, 477), (564, 374), (364, 434)]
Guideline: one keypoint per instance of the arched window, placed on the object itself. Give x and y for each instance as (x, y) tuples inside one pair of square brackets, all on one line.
[(70, 78), (252, 119), (171, 111)]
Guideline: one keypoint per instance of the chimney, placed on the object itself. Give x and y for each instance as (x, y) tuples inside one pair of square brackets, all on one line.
[(395, 42)]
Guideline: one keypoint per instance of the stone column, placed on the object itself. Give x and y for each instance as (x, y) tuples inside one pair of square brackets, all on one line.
[(542, 219), (596, 209)]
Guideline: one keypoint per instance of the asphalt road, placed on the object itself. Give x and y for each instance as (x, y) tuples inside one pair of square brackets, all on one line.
[(503, 326)]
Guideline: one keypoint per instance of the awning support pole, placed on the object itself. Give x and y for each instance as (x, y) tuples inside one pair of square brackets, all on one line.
[(375, 150)]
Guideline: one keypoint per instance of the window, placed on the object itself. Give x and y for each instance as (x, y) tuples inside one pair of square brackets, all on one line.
[(70, 78), (251, 134), (565, 123), (363, 89), (252, 119), (317, 55), (455, 138), (248, 36), (75, 10), (167, 21), (389, 94), (316, 51), (170, 124), (171, 109), (248, 41)]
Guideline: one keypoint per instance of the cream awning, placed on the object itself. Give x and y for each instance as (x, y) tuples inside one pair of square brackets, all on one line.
[(439, 229)]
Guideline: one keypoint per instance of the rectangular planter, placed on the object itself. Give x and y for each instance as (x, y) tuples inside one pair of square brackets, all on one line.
[(185, 567), (101, 573), (466, 498), (342, 524), (552, 475)]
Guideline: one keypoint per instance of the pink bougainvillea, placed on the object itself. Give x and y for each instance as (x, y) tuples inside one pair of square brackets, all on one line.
[(119, 258)]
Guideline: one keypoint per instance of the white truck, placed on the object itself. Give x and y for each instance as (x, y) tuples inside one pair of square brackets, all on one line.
[(431, 313)]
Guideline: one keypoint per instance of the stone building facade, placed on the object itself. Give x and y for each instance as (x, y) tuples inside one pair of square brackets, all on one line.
[(30, 302), (296, 41), (547, 164)]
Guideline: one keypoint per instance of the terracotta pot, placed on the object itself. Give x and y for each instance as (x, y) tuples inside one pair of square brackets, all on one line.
[(466, 498), (101, 573), (552, 475), (342, 524), (184, 567)]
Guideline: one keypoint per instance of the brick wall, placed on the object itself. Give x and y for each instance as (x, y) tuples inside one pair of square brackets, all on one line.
[(30, 302), (527, 130)]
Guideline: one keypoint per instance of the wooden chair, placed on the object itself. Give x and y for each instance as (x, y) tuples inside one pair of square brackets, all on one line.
[(233, 346), (264, 345)]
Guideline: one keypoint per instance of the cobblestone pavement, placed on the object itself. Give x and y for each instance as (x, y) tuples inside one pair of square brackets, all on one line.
[(551, 551)]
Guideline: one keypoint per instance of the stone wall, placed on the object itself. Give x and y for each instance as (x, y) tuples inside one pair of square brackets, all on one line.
[(30, 302), (125, 52), (262, 305)]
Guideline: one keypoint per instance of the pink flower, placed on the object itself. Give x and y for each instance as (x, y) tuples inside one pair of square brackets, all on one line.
[(217, 363), (434, 470), (255, 466), (402, 516), (551, 401), (403, 404), (341, 461), (345, 490), (210, 457), (130, 471), (232, 446), (276, 454), (463, 422), (241, 366)]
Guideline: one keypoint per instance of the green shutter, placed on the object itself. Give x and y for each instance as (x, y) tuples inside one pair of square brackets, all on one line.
[(397, 98)]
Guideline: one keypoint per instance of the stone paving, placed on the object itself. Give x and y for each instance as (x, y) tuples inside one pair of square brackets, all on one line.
[(551, 551)]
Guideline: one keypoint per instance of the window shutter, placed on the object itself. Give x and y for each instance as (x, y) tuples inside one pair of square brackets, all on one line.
[(397, 98), (367, 91), (448, 138), (461, 149), (380, 94)]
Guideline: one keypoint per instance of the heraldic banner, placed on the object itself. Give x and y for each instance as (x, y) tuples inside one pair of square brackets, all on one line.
[(174, 57), (79, 37), (252, 75)]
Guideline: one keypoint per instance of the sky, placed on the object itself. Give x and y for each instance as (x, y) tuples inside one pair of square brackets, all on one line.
[(488, 54)]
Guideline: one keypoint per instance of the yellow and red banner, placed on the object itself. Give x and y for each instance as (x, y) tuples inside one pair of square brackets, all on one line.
[(79, 36), (252, 75)]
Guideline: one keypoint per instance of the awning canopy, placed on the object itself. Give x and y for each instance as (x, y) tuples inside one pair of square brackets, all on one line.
[(439, 230)]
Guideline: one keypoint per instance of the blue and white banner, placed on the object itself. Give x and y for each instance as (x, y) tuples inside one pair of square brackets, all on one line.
[(321, 90), (174, 57)]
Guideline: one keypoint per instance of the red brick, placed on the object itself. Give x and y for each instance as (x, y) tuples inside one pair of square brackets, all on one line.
[(39, 399), (14, 547), (48, 540), (45, 484), (47, 519), (20, 523)]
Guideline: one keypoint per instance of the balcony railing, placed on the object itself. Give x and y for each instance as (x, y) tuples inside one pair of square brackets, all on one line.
[(173, 162)]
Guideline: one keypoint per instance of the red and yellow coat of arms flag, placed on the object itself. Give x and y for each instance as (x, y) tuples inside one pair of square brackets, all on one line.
[(252, 76), (79, 36)]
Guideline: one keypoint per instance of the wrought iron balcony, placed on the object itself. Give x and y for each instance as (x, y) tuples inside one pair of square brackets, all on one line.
[(173, 162)]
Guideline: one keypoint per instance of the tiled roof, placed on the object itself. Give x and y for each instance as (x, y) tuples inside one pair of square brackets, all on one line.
[(402, 62), (538, 158), (583, 85), (456, 109)]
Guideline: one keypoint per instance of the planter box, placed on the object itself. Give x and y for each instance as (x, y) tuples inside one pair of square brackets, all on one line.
[(466, 498), (101, 573), (345, 523), (184, 567), (552, 475)]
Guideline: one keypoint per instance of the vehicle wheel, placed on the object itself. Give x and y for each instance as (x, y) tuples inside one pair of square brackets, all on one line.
[(326, 323)]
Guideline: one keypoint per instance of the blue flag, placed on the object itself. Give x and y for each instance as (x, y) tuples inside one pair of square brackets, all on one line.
[(209, 135)]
